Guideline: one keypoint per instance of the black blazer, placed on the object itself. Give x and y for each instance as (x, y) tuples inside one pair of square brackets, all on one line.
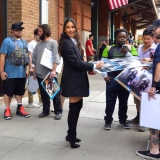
[(74, 81)]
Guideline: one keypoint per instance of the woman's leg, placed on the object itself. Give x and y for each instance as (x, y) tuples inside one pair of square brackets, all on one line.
[(74, 110)]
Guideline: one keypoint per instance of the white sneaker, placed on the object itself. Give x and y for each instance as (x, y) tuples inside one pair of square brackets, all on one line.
[(32, 105), (40, 104)]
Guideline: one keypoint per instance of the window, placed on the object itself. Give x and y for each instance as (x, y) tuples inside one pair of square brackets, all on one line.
[(67, 9)]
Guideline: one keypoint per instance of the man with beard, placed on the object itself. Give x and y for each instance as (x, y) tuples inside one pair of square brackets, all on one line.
[(13, 73), (41, 71), (154, 152), (113, 88)]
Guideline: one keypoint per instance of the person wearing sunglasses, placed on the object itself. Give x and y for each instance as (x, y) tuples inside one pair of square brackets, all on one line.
[(13, 69)]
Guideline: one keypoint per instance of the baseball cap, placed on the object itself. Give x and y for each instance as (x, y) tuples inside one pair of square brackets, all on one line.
[(155, 23), (17, 26)]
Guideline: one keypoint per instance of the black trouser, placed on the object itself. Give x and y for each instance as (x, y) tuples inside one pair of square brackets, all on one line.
[(73, 115), (46, 100), (114, 90)]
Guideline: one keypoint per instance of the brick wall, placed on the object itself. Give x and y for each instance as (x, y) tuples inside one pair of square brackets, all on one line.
[(13, 13), (60, 17), (28, 12), (30, 17), (53, 18)]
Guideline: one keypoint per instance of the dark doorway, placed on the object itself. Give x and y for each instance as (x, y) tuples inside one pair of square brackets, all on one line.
[(2, 28), (94, 22)]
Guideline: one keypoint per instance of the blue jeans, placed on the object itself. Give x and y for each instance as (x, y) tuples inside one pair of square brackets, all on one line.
[(114, 90)]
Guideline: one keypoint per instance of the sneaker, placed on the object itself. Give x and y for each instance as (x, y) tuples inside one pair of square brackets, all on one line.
[(133, 121), (40, 104), (22, 112), (58, 116), (107, 126), (125, 125), (147, 155), (7, 113), (32, 105), (143, 129)]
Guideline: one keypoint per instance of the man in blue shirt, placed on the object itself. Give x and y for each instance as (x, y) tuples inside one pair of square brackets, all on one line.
[(154, 152), (13, 73)]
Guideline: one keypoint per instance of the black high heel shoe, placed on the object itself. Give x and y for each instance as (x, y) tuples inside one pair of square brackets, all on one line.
[(76, 140), (72, 143)]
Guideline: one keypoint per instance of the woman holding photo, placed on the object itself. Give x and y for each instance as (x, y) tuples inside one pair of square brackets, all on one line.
[(74, 83)]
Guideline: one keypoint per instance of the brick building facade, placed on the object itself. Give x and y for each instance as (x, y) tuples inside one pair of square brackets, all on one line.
[(91, 16)]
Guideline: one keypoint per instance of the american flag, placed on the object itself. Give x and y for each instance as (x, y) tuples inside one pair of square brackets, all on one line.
[(113, 4)]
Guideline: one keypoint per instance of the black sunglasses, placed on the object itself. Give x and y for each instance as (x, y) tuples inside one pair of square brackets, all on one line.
[(18, 30)]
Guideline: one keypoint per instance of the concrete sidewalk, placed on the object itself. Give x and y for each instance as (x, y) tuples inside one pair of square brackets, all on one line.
[(44, 139)]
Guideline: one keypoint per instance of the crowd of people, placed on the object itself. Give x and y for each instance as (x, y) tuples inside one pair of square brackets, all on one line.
[(19, 60)]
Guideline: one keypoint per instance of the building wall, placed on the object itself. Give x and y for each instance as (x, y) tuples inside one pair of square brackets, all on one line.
[(28, 11), (60, 17), (103, 20)]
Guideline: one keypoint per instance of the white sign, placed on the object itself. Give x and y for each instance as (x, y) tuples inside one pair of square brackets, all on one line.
[(150, 111), (47, 59)]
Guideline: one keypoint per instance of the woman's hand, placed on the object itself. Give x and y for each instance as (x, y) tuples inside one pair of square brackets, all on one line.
[(99, 64)]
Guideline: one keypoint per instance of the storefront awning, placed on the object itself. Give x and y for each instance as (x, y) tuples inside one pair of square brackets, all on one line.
[(144, 12)]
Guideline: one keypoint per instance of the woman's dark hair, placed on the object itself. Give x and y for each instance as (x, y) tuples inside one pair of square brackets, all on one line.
[(46, 29), (147, 32), (118, 31), (65, 36)]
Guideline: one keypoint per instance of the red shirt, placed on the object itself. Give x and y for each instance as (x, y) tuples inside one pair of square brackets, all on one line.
[(89, 43)]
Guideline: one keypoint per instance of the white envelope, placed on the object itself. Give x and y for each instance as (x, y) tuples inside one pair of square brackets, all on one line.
[(47, 59)]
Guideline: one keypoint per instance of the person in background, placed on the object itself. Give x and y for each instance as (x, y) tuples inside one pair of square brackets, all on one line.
[(101, 47), (154, 152), (31, 47), (144, 52), (13, 73), (90, 51), (41, 71), (113, 88), (74, 83)]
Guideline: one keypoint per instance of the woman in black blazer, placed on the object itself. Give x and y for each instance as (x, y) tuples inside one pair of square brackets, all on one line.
[(74, 83)]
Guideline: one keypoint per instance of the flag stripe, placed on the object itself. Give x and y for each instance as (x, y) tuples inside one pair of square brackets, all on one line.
[(113, 4)]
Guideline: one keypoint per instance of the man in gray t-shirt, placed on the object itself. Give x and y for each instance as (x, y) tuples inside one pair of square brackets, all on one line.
[(41, 71)]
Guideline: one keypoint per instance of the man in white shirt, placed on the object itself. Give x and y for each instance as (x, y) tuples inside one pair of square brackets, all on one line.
[(31, 47)]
